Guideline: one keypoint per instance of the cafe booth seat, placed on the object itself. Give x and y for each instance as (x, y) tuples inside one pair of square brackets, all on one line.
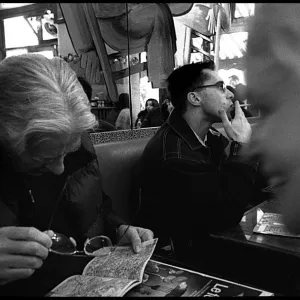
[(119, 163)]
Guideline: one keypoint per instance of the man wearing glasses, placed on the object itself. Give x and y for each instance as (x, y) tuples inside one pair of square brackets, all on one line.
[(199, 188)]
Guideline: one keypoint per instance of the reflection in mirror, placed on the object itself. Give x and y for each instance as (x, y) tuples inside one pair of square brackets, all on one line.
[(132, 48)]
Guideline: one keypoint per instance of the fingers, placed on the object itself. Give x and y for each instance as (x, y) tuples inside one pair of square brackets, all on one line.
[(238, 110), (50, 233), (27, 234), (23, 247), (224, 118), (145, 234), (14, 274), (135, 240), (136, 235), (21, 262)]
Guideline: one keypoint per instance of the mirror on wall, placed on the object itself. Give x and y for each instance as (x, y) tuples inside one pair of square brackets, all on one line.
[(127, 50)]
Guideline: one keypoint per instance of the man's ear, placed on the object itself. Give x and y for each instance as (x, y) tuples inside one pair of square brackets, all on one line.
[(194, 99)]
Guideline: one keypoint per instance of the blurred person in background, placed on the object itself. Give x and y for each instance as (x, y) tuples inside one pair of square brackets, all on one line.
[(245, 111), (114, 113), (102, 125), (50, 177), (166, 109), (124, 120), (240, 88), (150, 104)]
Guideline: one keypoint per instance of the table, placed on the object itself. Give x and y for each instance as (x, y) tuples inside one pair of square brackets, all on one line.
[(267, 261), (101, 112), (244, 232), (164, 282)]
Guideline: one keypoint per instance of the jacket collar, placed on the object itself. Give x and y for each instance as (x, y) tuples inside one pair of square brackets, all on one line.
[(181, 127)]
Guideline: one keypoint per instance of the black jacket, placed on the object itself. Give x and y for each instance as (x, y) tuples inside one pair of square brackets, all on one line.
[(153, 118), (188, 189), (80, 208)]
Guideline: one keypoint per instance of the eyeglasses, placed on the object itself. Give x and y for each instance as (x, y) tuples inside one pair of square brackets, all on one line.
[(220, 85), (48, 161), (96, 246)]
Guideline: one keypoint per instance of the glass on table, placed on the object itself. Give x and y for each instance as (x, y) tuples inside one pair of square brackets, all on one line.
[(96, 246)]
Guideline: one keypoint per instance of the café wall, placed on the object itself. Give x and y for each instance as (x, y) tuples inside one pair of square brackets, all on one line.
[(65, 47)]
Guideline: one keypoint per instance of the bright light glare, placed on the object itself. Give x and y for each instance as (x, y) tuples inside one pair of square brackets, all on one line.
[(18, 33)]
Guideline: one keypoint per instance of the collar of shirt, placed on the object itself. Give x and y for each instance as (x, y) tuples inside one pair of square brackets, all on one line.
[(203, 143)]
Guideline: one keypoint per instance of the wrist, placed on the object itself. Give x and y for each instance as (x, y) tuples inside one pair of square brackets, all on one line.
[(235, 147)]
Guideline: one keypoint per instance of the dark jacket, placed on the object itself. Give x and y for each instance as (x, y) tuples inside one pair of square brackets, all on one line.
[(80, 208), (153, 118), (141, 116), (188, 189)]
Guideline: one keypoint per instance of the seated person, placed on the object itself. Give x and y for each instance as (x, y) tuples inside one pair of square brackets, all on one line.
[(50, 177), (198, 189), (114, 113), (150, 104), (153, 118), (102, 125), (124, 120), (166, 109)]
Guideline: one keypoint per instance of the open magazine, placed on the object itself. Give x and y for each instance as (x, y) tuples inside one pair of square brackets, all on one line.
[(271, 223), (111, 275), (164, 280)]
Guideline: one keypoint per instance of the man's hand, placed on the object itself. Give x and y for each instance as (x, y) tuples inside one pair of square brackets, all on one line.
[(22, 251), (239, 128), (134, 235)]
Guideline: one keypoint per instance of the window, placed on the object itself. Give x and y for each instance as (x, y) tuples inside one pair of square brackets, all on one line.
[(18, 33), (33, 31)]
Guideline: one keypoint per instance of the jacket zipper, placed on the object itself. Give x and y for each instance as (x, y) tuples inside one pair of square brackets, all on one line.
[(57, 202)]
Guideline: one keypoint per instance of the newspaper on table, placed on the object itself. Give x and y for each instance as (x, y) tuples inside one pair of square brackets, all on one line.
[(165, 280), (271, 223), (111, 275)]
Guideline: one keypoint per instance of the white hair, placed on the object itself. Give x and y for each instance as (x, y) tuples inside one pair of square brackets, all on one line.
[(39, 98)]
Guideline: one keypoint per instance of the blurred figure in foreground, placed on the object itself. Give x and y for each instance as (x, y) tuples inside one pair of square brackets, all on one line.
[(273, 77)]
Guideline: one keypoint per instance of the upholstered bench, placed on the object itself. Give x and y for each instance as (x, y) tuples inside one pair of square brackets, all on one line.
[(119, 163)]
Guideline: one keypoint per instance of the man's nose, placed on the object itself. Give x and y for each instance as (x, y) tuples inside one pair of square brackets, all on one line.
[(57, 167)]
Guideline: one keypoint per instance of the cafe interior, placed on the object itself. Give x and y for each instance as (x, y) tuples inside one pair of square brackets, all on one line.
[(132, 48)]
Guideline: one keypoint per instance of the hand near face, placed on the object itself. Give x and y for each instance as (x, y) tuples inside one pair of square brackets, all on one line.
[(22, 251), (239, 128), (134, 235)]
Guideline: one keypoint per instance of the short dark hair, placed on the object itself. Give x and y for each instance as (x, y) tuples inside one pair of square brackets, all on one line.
[(182, 81), (123, 101), (234, 77), (86, 87), (154, 102)]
